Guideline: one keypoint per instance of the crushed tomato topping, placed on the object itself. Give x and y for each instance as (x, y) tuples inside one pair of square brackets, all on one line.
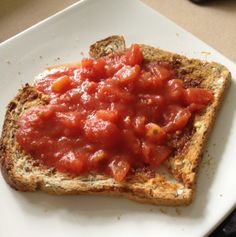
[(109, 115)]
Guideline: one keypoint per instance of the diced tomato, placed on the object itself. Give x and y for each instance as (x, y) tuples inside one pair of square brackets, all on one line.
[(195, 107), (99, 67), (148, 83), (174, 91), (44, 112), (131, 141), (113, 93), (139, 124), (65, 66), (198, 96), (101, 131), (155, 155), (150, 105), (119, 169), (134, 55), (71, 163), (97, 157), (114, 62), (160, 71), (155, 133), (72, 120), (92, 69), (159, 155), (62, 84), (85, 73), (87, 62), (109, 115), (176, 118), (91, 87), (128, 74)]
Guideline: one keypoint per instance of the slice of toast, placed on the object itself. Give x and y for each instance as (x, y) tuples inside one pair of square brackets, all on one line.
[(171, 184)]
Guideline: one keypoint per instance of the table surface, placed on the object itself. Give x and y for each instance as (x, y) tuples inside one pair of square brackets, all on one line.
[(213, 22)]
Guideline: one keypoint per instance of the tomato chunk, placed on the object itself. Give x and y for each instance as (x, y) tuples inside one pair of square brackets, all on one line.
[(160, 71), (175, 91), (92, 69), (147, 83), (101, 131), (99, 67), (198, 96), (155, 155), (72, 120), (87, 62), (109, 115), (176, 118), (155, 133), (128, 74), (134, 55), (70, 163), (114, 62), (98, 157), (159, 154), (119, 169), (62, 84)]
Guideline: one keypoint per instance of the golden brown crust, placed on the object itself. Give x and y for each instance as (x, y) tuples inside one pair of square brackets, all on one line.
[(24, 99), (163, 188), (108, 45)]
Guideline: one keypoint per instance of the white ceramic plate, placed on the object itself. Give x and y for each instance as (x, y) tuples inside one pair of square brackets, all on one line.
[(62, 38)]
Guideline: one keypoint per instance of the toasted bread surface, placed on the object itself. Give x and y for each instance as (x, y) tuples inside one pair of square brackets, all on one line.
[(172, 184)]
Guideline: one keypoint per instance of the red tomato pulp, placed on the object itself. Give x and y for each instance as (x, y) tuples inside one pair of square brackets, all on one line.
[(108, 115)]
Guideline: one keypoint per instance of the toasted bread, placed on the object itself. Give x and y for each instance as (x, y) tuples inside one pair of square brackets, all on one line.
[(174, 185)]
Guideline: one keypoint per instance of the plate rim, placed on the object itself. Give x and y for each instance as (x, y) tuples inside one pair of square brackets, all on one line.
[(81, 2)]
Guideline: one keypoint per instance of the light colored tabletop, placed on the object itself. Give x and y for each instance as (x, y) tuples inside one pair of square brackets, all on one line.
[(214, 22)]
